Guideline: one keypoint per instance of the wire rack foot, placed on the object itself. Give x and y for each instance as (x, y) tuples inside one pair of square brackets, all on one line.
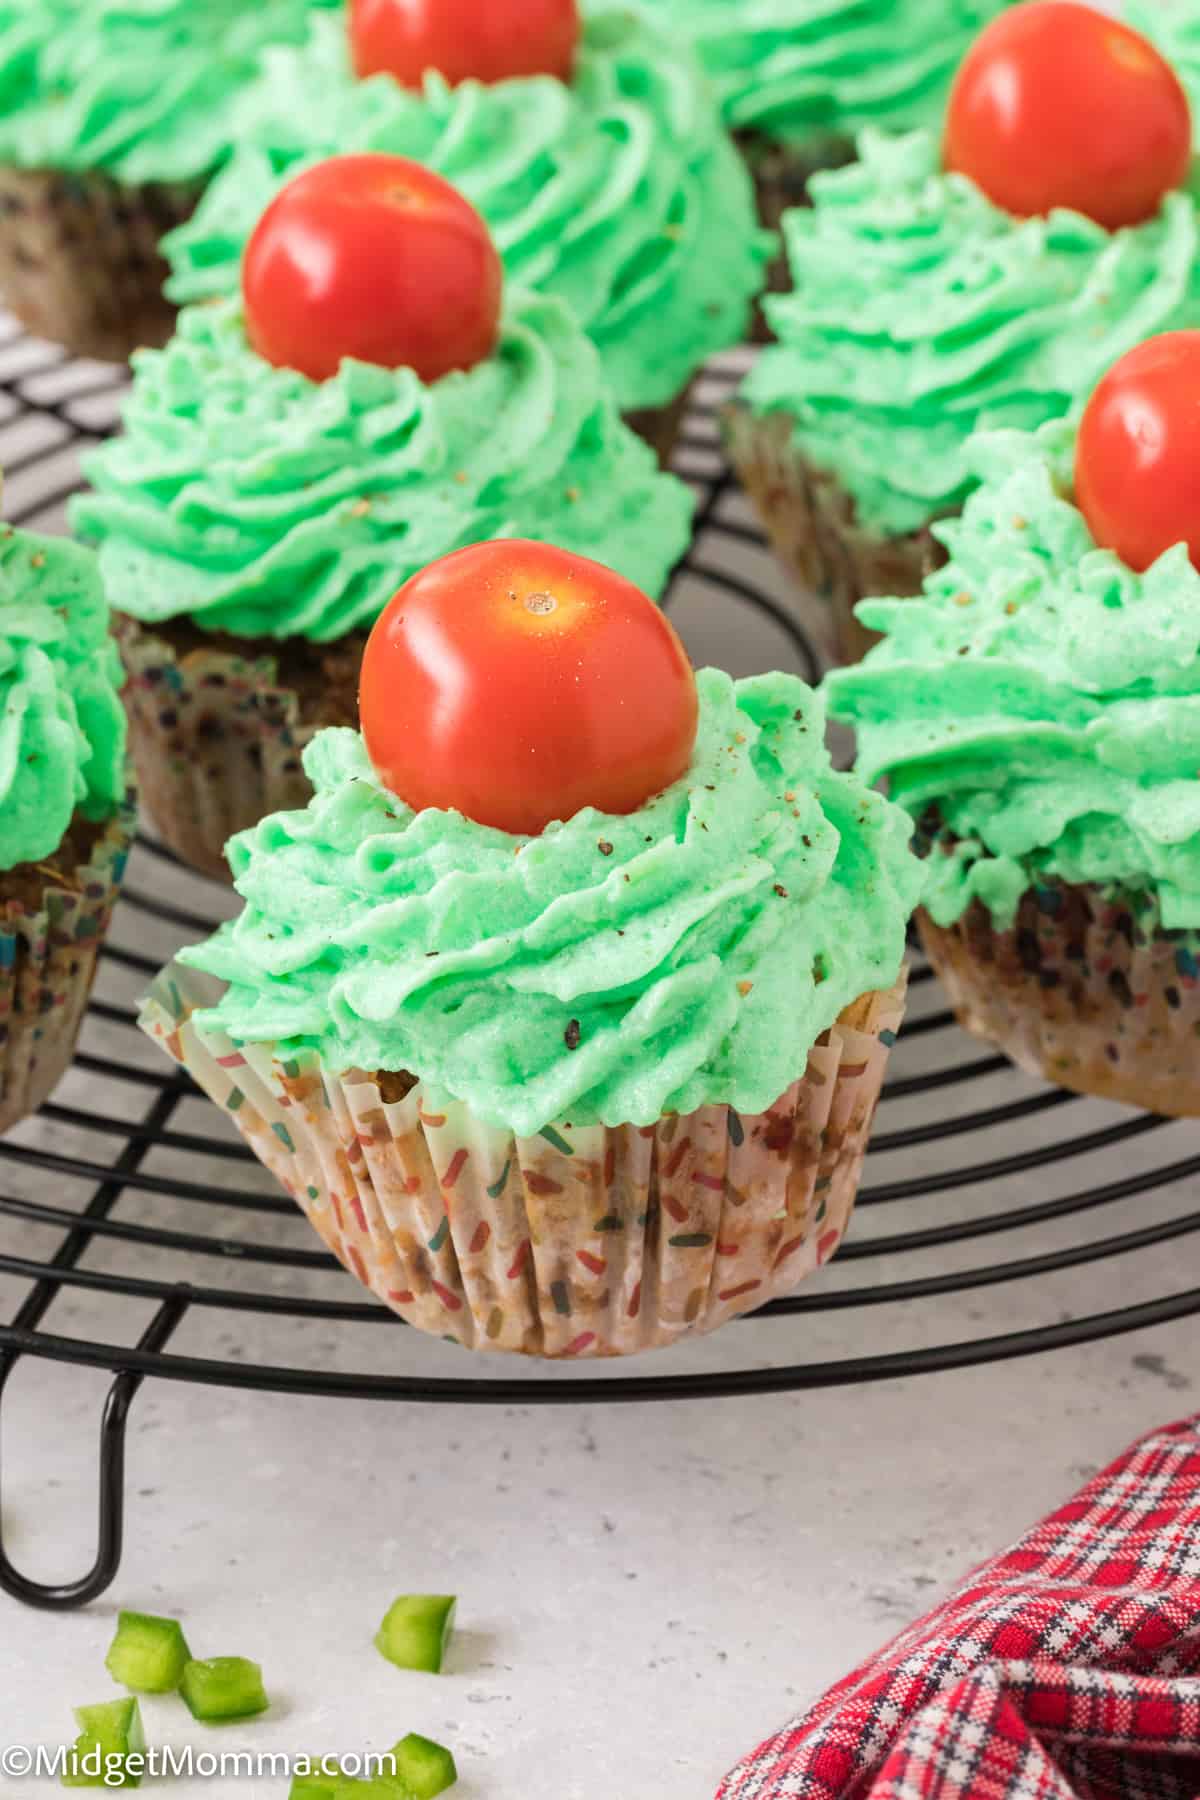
[(61, 1596)]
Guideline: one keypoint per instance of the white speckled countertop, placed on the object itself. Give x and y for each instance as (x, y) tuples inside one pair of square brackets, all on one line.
[(645, 1591)]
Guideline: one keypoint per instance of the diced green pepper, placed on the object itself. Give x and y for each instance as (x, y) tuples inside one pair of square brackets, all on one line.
[(416, 1630), (326, 1782), (225, 1687), (315, 1787), (426, 1769), (109, 1735), (148, 1654)]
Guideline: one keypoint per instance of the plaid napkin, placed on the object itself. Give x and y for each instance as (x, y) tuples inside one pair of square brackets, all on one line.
[(1067, 1669)]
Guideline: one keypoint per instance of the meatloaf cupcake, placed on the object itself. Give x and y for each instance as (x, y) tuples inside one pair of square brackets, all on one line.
[(113, 115), (563, 1007), (294, 454), (66, 817), (986, 281), (616, 190), (1037, 711), (799, 79)]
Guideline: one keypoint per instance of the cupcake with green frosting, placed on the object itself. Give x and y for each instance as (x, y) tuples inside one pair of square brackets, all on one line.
[(923, 310), (798, 80), (253, 521), (578, 1087), (66, 817), (618, 192), (1037, 712), (113, 116)]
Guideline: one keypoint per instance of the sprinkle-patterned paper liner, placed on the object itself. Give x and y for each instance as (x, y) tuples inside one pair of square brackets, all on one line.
[(216, 741), (660, 426), (47, 966), (1084, 989), (79, 258), (810, 521), (580, 1242)]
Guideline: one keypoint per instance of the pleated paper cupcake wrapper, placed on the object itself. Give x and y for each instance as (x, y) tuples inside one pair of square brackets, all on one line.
[(1083, 990), (80, 262), (810, 521), (215, 740), (579, 1242), (47, 965)]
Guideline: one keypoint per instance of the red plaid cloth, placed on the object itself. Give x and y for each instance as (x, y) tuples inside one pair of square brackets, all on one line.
[(1067, 1669)]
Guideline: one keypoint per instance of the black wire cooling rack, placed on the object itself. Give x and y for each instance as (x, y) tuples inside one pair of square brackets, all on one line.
[(137, 1236)]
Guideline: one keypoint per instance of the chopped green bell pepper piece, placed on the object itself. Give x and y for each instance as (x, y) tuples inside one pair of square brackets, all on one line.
[(416, 1630), (109, 1735), (315, 1787), (148, 1654), (426, 1769), (225, 1687)]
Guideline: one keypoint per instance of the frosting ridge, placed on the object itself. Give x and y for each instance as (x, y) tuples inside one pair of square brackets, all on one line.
[(620, 194), (258, 502), (1041, 697), (799, 69), (148, 90), (922, 312), (612, 969), (62, 727)]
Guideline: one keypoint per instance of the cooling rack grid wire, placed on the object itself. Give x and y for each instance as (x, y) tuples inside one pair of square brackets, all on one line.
[(999, 1218)]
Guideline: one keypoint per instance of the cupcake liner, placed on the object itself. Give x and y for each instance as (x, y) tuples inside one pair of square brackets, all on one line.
[(47, 966), (216, 740), (660, 426), (1084, 989), (810, 521), (79, 258), (583, 1241)]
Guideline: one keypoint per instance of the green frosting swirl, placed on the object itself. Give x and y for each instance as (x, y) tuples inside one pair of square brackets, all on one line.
[(799, 70), (1043, 697), (693, 951), (258, 502), (922, 312), (621, 194), (148, 90), (62, 727)]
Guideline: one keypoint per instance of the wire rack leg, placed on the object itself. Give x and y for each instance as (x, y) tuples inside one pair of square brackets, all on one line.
[(61, 1596)]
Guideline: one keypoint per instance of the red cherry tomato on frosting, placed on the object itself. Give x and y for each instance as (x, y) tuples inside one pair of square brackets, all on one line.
[(464, 40), (1137, 455), (1057, 105), (376, 258), (517, 684)]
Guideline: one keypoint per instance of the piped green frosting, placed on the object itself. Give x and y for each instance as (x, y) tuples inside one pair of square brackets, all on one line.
[(613, 969), (922, 312), (806, 70), (62, 727), (148, 90), (1041, 696), (621, 193), (255, 501)]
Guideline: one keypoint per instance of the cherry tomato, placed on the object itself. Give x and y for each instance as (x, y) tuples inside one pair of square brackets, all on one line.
[(464, 40), (517, 684), (1137, 455), (1057, 105), (376, 258)]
